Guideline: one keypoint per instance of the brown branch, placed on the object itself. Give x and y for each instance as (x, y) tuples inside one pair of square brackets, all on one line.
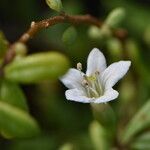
[(37, 26), (63, 18)]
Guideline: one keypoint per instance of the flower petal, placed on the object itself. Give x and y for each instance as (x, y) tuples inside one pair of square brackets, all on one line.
[(96, 62), (72, 79), (114, 73), (109, 95), (77, 95)]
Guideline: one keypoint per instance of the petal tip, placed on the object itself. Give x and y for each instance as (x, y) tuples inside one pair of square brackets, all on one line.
[(127, 63), (95, 50)]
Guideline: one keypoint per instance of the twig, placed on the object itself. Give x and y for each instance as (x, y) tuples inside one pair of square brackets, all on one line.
[(37, 26)]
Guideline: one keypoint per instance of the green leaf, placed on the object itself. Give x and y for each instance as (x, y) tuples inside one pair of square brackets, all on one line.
[(69, 36), (133, 50), (12, 94), (95, 32), (42, 142), (115, 48), (16, 122), (99, 136), (55, 5), (3, 44), (139, 122), (142, 142), (66, 146), (115, 17), (37, 67), (105, 115)]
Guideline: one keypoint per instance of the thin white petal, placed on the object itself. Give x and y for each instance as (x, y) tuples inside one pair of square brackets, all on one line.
[(109, 95), (72, 79), (114, 73), (96, 62), (77, 95)]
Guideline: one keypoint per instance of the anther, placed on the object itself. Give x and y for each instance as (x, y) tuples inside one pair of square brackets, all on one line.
[(85, 83), (79, 66)]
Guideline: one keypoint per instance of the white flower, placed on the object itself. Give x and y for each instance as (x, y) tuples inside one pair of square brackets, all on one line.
[(96, 85)]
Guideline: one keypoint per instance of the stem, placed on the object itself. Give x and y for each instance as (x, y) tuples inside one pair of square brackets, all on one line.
[(35, 27)]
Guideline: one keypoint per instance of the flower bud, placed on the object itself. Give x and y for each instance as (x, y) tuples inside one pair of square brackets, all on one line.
[(20, 49), (115, 48), (97, 132), (55, 4), (115, 17), (94, 32)]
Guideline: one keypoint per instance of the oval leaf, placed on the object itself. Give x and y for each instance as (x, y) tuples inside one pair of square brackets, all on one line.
[(98, 136), (142, 142), (55, 4), (12, 94), (16, 122), (101, 113), (139, 122), (37, 67), (115, 17)]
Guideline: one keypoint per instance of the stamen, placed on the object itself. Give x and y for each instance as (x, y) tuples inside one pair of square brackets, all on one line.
[(93, 93), (91, 84), (98, 83), (86, 87), (79, 66), (85, 83)]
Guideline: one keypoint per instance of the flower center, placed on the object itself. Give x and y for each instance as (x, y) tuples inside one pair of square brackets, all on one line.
[(91, 84)]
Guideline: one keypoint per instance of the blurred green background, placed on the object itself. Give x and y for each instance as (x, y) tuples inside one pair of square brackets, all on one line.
[(63, 121)]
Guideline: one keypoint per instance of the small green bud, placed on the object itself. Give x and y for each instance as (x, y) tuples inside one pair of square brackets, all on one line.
[(55, 5), (99, 33), (94, 32), (115, 48), (37, 67), (115, 17), (97, 132), (127, 85), (133, 50), (67, 146), (20, 49), (69, 36)]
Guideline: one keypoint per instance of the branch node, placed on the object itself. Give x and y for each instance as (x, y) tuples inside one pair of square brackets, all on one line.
[(32, 24)]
